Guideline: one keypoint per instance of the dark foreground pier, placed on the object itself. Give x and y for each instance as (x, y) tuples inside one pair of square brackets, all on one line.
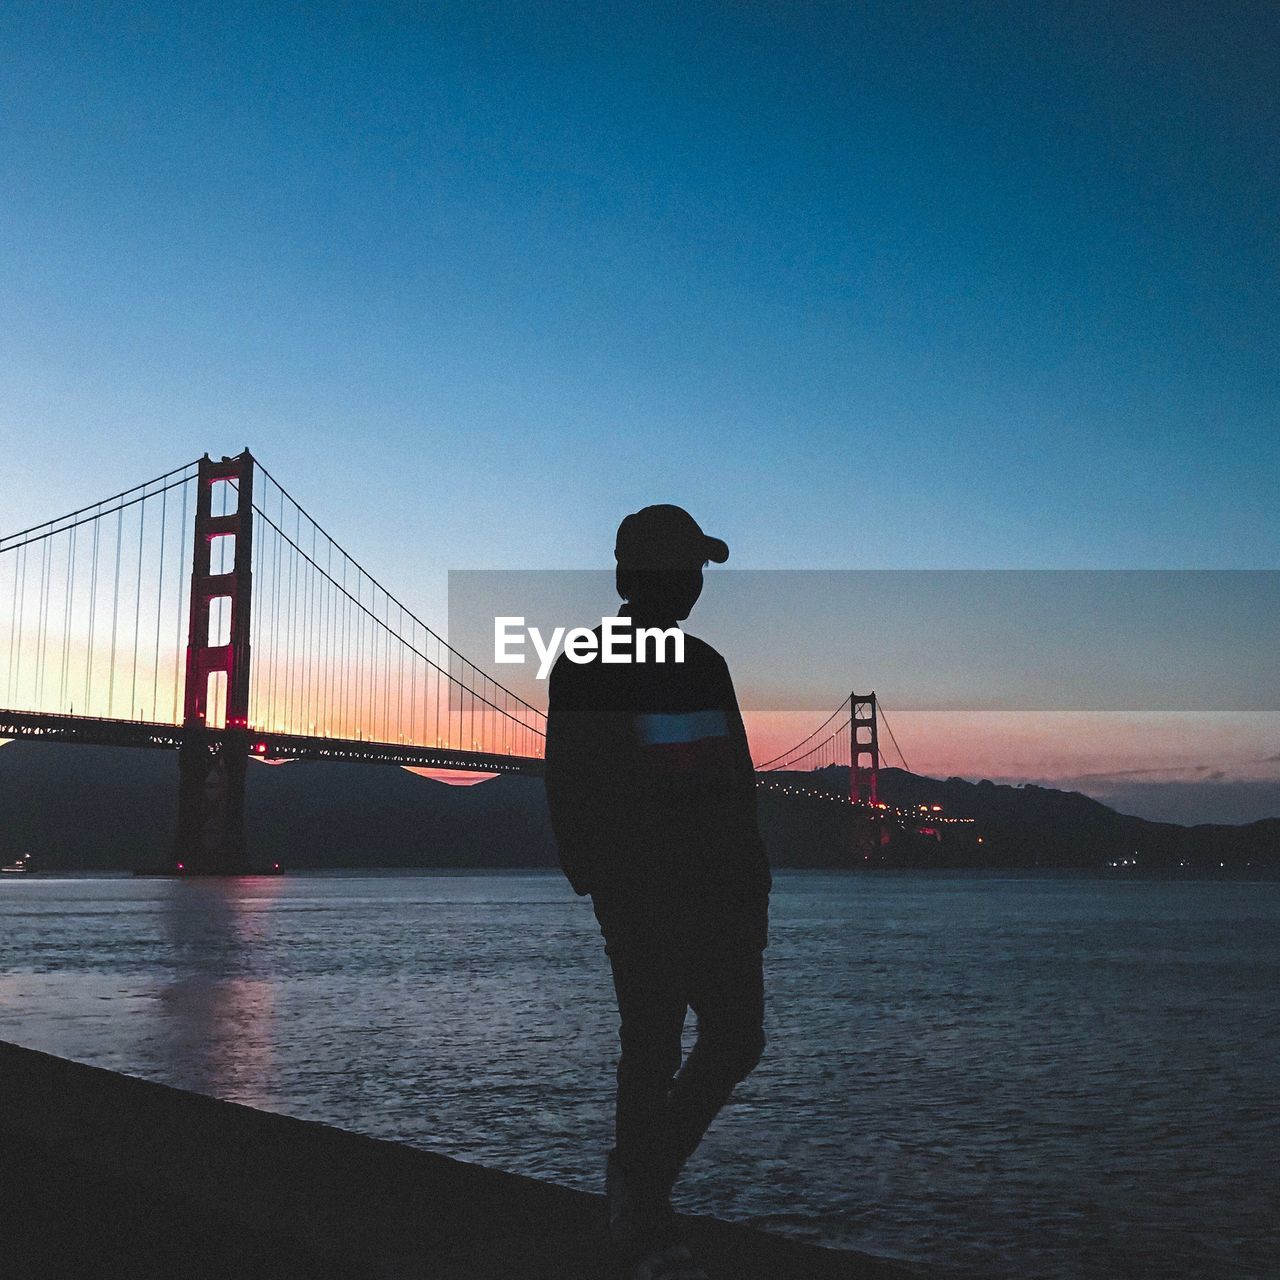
[(102, 1175)]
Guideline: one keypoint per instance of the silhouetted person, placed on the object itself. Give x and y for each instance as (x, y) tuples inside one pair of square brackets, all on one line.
[(653, 801)]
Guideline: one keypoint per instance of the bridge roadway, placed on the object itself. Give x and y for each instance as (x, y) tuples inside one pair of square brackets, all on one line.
[(269, 746)]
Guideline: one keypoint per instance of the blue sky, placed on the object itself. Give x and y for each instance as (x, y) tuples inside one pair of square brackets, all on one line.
[(893, 285), (883, 285)]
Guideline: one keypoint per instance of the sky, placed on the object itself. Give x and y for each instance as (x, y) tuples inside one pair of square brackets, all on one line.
[(862, 285)]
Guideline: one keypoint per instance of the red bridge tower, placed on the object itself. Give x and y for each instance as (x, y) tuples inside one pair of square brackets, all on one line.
[(215, 718), (864, 749)]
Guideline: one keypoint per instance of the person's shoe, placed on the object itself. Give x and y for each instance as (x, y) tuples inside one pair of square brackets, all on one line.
[(642, 1231), (674, 1262)]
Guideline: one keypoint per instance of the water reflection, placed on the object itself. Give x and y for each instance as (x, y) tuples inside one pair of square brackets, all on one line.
[(217, 1013)]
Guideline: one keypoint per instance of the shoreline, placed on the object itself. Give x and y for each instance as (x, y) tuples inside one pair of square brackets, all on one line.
[(108, 1174)]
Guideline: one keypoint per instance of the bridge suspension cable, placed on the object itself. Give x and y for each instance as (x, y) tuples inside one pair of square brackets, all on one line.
[(786, 758), (95, 510), (892, 736), (337, 655), (92, 596), (828, 751)]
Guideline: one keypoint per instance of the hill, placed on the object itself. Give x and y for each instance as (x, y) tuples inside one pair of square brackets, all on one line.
[(105, 808), (1020, 826), (77, 807)]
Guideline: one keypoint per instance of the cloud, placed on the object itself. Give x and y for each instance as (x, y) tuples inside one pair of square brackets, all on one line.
[(1177, 771)]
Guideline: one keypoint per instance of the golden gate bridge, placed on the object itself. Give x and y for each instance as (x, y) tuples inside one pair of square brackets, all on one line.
[(206, 612)]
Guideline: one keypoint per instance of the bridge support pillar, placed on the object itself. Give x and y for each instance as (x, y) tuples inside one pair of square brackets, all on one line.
[(864, 777), (864, 749), (210, 836), (210, 839)]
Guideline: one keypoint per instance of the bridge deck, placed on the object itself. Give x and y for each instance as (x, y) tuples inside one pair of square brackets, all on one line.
[(268, 745)]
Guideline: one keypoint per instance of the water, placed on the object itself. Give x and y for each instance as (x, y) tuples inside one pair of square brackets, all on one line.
[(992, 1076)]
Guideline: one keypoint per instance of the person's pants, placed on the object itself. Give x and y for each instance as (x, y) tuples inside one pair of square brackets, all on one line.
[(670, 955)]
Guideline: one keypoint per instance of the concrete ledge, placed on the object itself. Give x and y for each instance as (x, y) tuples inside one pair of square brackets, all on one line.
[(105, 1175)]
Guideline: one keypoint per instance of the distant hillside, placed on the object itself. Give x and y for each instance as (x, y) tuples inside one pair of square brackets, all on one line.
[(1021, 826), (108, 808)]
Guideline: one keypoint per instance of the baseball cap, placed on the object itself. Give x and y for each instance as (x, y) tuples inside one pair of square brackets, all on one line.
[(665, 537)]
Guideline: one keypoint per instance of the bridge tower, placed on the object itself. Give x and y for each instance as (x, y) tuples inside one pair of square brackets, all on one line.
[(210, 835), (864, 749)]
